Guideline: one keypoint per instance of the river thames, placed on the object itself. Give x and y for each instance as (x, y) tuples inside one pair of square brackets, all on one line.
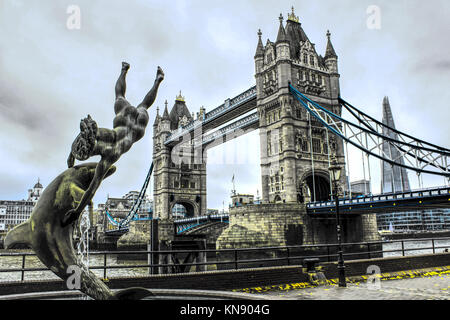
[(15, 262)]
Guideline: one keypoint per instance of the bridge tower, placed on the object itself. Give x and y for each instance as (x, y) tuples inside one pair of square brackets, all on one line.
[(296, 150), (176, 179)]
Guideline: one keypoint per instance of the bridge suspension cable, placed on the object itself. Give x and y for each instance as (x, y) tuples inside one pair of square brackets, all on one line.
[(132, 214), (369, 135)]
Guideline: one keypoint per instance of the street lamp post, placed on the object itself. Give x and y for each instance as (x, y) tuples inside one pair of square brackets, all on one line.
[(335, 175)]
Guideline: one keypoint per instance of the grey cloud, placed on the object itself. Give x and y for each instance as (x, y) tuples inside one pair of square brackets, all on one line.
[(51, 77)]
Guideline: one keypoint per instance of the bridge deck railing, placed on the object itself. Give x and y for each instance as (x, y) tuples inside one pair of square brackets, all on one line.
[(420, 193), (241, 258)]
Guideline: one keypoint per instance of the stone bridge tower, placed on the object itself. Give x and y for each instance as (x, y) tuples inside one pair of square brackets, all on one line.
[(296, 150), (177, 178)]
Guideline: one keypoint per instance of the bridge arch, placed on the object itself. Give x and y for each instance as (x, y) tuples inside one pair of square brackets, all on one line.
[(318, 184), (192, 209), (277, 199)]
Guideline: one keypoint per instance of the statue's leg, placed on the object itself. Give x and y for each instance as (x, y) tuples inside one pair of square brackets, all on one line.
[(121, 85), (151, 95)]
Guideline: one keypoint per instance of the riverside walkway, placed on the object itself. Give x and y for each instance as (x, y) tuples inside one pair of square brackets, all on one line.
[(422, 284)]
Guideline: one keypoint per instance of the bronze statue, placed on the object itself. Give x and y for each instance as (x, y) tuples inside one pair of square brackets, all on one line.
[(128, 127), (49, 229), (53, 243)]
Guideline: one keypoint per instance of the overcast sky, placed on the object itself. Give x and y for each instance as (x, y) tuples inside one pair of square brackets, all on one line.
[(51, 76)]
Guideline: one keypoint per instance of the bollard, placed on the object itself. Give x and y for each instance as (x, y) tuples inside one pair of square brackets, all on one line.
[(316, 277)]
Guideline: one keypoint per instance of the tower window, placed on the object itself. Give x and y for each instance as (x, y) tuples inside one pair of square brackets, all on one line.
[(316, 145), (311, 60), (305, 58)]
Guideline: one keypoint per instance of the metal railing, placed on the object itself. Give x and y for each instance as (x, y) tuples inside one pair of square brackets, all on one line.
[(239, 258), (414, 194)]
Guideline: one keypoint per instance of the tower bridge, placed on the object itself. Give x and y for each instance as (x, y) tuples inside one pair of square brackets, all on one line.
[(298, 111), (287, 135)]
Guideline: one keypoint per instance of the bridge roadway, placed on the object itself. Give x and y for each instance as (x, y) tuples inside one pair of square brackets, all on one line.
[(423, 199), (188, 225), (229, 110)]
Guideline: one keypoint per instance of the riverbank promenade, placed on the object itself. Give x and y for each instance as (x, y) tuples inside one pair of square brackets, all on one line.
[(420, 284)]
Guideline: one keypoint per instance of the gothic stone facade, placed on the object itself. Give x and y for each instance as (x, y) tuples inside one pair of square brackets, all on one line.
[(178, 177), (295, 149)]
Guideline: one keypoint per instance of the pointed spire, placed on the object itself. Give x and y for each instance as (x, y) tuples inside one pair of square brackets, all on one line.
[(388, 119), (166, 112), (260, 47), (157, 116), (330, 53), (281, 32)]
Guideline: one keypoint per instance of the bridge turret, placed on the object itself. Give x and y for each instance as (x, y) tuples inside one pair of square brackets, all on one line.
[(283, 57), (259, 62), (331, 62), (294, 152)]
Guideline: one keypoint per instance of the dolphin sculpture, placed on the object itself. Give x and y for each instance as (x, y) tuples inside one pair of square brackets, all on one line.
[(51, 238)]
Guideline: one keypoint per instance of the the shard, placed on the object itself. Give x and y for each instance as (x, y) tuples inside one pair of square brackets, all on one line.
[(394, 178)]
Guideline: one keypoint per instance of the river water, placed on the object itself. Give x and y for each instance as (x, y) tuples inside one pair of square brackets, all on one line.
[(15, 262)]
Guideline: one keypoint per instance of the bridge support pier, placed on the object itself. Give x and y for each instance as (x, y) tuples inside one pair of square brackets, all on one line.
[(278, 225)]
